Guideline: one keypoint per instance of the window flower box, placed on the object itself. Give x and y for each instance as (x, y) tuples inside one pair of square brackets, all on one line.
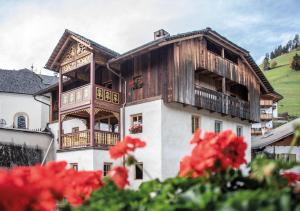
[(137, 128), (136, 83)]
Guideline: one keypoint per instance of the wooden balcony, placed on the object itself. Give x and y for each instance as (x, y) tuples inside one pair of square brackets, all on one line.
[(221, 103), (81, 96), (256, 132), (81, 139), (266, 116), (266, 103)]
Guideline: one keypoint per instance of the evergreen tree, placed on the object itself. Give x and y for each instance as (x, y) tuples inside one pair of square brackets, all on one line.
[(296, 41), (266, 64), (295, 64)]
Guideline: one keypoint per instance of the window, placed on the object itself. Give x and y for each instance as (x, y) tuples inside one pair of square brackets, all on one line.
[(285, 156), (2, 123), (106, 168), (139, 170), (136, 123), (239, 131), (218, 126), (195, 123), (74, 166), (75, 129), (21, 122), (136, 82)]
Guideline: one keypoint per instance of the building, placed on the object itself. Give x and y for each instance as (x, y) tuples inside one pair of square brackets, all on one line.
[(161, 92), (19, 107), (268, 114), (278, 143), (23, 118)]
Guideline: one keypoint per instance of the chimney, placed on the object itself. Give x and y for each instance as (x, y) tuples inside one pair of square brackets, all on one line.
[(160, 34)]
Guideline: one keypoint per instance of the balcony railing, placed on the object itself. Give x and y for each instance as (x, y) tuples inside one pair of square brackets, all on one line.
[(266, 103), (266, 116), (82, 96), (256, 132), (221, 103), (82, 139)]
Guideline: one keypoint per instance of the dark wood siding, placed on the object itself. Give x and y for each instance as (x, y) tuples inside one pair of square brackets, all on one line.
[(170, 72)]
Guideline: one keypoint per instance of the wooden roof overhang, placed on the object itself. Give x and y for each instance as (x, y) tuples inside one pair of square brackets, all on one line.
[(68, 37), (209, 34)]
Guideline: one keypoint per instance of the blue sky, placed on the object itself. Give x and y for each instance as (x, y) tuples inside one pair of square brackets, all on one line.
[(30, 29)]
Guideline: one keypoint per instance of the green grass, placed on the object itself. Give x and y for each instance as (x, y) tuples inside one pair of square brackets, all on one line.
[(286, 82)]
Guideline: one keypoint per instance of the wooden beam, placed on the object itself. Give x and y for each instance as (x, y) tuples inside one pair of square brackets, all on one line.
[(59, 52), (92, 105)]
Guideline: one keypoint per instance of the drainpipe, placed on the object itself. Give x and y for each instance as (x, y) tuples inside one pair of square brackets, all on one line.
[(125, 99)]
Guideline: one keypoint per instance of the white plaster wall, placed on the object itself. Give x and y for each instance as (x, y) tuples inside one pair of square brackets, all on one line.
[(11, 103), (30, 138), (87, 159), (177, 132), (285, 149), (151, 154)]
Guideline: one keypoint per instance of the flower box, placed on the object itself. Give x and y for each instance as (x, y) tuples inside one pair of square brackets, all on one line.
[(136, 83), (137, 128)]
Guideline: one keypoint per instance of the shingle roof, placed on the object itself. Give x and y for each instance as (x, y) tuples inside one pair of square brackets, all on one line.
[(275, 135), (24, 81)]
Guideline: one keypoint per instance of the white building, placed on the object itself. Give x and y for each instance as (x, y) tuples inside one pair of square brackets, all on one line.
[(161, 92), (23, 117)]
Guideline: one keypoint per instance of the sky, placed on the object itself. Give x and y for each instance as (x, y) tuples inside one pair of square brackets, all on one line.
[(30, 29)]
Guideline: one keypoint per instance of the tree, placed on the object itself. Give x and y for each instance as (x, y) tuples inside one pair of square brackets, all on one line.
[(266, 64), (273, 64), (295, 64), (296, 41)]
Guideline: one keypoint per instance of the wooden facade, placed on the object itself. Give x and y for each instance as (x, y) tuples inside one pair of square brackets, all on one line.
[(170, 72)]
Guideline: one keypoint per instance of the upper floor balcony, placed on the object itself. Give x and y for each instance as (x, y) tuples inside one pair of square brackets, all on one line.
[(81, 96), (266, 103), (266, 116), (221, 103)]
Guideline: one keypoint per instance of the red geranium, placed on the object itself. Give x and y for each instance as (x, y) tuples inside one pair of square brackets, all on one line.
[(40, 187), (291, 177), (212, 153), (129, 144), (119, 176)]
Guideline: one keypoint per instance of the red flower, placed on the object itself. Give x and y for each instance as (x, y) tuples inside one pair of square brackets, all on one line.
[(129, 144), (119, 176), (213, 153), (292, 178)]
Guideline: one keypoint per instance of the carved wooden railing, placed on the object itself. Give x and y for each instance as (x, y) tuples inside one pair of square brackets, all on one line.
[(107, 95), (106, 138), (75, 139), (76, 97), (82, 139), (221, 103)]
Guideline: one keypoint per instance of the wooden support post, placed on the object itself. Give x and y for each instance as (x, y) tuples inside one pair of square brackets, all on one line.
[(60, 90), (224, 98), (92, 105), (223, 53)]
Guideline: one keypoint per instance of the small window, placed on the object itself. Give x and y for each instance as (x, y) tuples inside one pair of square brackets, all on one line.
[(106, 168), (218, 126), (239, 131), (21, 122), (75, 129), (195, 123), (2, 123), (74, 166), (139, 170), (285, 156), (136, 82), (136, 123)]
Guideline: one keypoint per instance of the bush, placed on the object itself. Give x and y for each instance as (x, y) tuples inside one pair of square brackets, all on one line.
[(273, 64), (295, 63)]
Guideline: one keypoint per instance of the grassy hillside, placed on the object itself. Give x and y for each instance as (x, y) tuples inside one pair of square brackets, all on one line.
[(286, 82)]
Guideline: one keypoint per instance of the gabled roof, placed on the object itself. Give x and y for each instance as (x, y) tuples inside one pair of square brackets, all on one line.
[(208, 32), (95, 46), (274, 135), (24, 81)]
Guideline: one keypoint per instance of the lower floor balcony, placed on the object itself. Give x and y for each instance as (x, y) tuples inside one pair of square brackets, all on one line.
[(219, 102), (80, 139)]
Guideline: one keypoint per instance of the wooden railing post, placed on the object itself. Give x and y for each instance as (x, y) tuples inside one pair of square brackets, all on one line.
[(92, 105)]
